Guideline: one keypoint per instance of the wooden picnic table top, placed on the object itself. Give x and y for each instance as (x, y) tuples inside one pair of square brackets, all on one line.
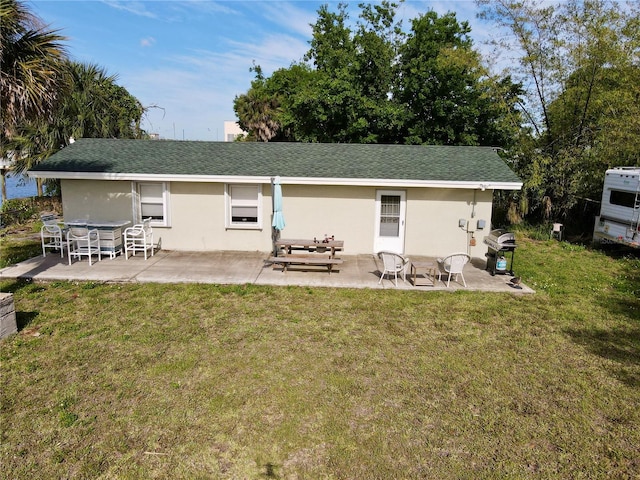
[(287, 242)]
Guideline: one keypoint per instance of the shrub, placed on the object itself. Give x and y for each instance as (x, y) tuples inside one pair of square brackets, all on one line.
[(17, 210)]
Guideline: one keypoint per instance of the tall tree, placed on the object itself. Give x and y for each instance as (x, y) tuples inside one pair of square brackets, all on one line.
[(30, 78), (92, 106), (97, 107), (581, 59), (258, 109), (351, 99), (367, 82), (31, 57), (439, 78)]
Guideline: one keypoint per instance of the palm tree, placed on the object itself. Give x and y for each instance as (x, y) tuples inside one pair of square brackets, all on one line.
[(31, 79), (97, 107), (257, 113), (93, 106)]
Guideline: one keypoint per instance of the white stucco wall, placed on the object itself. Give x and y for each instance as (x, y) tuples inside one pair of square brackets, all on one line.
[(96, 200), (344, 212), (198, 221), (432, 221), (197, 212), (349, 213)]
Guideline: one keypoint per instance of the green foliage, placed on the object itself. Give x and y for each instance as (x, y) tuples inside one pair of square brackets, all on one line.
[(439, 73), (369, 82), (92, 106), (17, 211), (30, 56), (580, 59)]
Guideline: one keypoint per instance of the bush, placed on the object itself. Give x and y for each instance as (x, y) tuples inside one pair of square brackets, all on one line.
[(17, 210)]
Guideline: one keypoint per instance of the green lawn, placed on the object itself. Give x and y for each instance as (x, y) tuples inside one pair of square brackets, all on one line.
[(206, 381)]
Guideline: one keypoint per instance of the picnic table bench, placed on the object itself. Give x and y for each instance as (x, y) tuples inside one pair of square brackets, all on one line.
[(314, 256)]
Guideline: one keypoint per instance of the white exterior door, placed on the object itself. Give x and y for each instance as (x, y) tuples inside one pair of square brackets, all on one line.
[(390, 215)]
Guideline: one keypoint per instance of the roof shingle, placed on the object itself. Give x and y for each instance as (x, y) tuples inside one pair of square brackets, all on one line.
[(311, 160)]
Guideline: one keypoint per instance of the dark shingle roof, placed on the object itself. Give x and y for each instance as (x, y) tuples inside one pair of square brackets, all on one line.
[(312, 160)]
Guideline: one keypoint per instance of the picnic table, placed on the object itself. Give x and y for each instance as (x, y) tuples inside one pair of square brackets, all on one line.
[(307, 252)]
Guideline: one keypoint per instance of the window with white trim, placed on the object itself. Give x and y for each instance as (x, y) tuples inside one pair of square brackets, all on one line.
[(152, 201), (244, 206)]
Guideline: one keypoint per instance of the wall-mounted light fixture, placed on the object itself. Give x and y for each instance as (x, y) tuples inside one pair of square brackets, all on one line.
[(462, 223), (481, 224)]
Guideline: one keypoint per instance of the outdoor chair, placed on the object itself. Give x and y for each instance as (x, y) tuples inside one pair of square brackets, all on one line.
[(51, 235), (453, 265), (393, 263), (138, 238), (81, 241)]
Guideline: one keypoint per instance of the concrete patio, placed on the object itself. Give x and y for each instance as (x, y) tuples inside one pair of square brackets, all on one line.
[(228, 267)]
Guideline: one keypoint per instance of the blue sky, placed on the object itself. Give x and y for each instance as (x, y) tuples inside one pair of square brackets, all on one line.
[(191, 58)]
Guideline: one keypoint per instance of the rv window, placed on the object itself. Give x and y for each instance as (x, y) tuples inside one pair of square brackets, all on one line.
[(624, 199)]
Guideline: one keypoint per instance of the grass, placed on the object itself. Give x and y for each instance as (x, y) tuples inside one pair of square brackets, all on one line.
[(19, 242), (210, 381)]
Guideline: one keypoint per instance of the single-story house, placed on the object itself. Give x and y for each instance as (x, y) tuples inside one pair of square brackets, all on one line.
[(207, 196)]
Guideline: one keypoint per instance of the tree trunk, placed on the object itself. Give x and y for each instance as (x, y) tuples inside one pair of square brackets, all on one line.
[(3, 184)]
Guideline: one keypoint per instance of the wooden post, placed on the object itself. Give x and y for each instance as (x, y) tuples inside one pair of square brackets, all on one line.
[(8, 324)]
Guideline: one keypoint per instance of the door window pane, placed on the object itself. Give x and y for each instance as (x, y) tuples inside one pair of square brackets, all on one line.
[(390, 216)]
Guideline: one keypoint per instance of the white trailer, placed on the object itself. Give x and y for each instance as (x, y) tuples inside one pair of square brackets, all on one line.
[(619, 219)]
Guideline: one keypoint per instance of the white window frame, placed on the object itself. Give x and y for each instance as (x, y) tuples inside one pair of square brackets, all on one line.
[(230, 202), (164, 201)]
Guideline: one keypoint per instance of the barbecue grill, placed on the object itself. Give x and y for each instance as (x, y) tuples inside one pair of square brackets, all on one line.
[(500, 242)]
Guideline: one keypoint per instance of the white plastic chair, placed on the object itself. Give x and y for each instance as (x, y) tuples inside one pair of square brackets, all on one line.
[(453, 265), (83, 242), (138, 238), (393, 263), (557, 230), (51, 235)]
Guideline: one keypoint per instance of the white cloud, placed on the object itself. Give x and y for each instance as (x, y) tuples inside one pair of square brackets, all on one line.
[(135, 7), (289, 16), (272, 52), (147, 42), (196, 87)]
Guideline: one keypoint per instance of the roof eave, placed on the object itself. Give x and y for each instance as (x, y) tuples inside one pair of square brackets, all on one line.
[(362, 182)]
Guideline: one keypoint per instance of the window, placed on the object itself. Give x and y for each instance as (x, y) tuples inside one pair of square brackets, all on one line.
[(152, 202), (624, 199), (389, 215), (244, 206)]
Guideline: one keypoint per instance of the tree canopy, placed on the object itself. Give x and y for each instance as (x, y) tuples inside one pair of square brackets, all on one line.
[(30, 77), (92, 106), (566, 110), (583, 107), (47, 99), (374, 83)]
